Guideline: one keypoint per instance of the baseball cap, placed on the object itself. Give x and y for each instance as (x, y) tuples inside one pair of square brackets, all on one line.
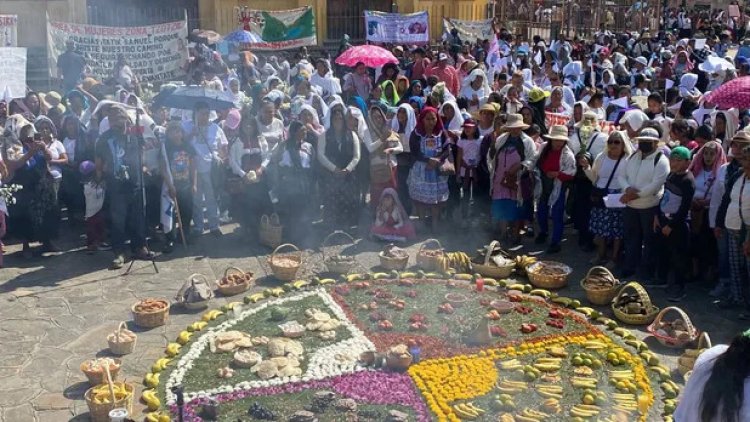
[(233, 119), (681, 153)]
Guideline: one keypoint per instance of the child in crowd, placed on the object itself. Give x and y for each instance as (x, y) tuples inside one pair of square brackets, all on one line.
[(93, 192), (468, 159), (671, 224), (392, 224)]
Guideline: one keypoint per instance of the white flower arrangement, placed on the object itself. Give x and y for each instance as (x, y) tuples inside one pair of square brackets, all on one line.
[(328, 361)]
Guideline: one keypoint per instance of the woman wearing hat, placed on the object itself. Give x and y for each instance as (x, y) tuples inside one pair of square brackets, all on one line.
[(643, 183), (556, 164), (508, 157)]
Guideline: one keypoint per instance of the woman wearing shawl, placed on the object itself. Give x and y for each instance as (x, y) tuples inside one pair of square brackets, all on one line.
[(430, 149), (78, 150), (475, 89), (417, 104), (238, 97), (725, 124), (304, 90), (309, 118), (295, 182), (383, 144), (355, 121), (402, 85), (556, 103), (450, 114), (35, 215), (339, 153), (705, 169), (403, 124), (388, 94), (681, 65), (415, 90), (29, 107), (392, 222)]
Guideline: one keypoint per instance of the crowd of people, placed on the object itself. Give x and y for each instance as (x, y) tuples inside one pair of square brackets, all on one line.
[(611, 134)]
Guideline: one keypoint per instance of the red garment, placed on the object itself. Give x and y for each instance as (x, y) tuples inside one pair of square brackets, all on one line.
[(419, 68), (552, 163), (449, 75)]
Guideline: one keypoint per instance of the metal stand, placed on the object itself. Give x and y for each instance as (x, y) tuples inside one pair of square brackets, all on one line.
[(178, 391)]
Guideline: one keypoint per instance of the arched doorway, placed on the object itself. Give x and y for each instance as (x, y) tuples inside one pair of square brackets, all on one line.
[(347, 16)]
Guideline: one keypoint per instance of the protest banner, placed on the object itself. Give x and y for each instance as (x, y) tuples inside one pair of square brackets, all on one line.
[(154, 52), (8, 30), (552, 119), (278, 29), (469, 30), (396, 28), (12, 72)]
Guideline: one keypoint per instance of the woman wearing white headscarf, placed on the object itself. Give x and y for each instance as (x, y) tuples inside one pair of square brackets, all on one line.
[(355, 121), (383, 145), (403, 124), (725, 124), (451, 115), (687, 86), (475, 89)]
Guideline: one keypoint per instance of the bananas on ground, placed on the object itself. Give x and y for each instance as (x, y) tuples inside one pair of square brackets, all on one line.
[(160, 365), (197, 326), (459, 261), (149, 397), (211, 315), (468, 411), (173, 349), (184, 337), (151, 380), (523, 261)]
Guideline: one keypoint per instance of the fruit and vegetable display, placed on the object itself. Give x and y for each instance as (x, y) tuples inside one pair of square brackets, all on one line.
[(235, 279), (411, 346), (150, 305)]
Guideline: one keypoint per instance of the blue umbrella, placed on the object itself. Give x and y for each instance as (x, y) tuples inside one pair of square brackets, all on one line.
[(242, 36), (186, 98)]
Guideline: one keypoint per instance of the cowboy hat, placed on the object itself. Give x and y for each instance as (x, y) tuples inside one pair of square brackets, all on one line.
[(515, 121), (557, 133)]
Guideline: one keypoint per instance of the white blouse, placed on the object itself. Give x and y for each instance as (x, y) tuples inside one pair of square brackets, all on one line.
[(740, 193)]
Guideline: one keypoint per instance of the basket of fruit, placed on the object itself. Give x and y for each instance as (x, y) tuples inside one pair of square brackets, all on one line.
[(430, 259), (634, 308), (285, 266), (150, 313), (676, 333), (96, 369), (600, 286), (337, 263), (235, 281), (122, 341), (108, 395), (686, 361), (493, 261), (393, 258), (548, 274)]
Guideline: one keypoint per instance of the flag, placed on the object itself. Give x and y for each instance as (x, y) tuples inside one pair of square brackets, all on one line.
[(167, 210)]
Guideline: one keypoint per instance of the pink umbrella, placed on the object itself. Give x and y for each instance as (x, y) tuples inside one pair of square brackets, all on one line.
[(370, 55), (733, 94)]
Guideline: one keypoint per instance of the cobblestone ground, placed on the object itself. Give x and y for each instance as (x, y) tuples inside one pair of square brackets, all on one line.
[(56, 311)]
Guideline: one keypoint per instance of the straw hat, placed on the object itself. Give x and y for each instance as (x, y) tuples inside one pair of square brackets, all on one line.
[(557, 133), (515, 121), (741, 137), (538, 94)]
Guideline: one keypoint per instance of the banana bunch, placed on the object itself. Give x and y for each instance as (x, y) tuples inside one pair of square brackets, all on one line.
[(229, 306), (197, 326), (101, 394), (531, 415), (149, 397), (507, 417), (557, 352), (511, 365), (594, 345), (640, 345), (550, 391), (468, 411), (545, 294), (523, 261), (584, 411), (160, 365), (184, 337), (662, 371), (548, 364), (622, 374), (552, 405), (589, 312), (459, 261), (151, 380), (157, 417), (511, 387), (254, 298), (211, 315), (584, 382), (625, 403), (173, 349)]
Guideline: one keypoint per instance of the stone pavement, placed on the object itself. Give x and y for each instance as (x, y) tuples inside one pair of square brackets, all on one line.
[(56, 311)]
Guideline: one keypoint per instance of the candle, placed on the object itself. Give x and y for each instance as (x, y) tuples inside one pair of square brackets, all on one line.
[(480, 284)]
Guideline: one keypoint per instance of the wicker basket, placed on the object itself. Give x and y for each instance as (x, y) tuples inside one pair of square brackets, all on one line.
[(635, 319), (427, 262), (99, 412), (270, 233), (233, 289), (600, 296), (548, 281), (285, 273), (399, 363), (389, 263), (488, 270), (671, 341), (100, 377), (686, 363), (118, 347), (339, 267), (201, 304), (151, 319)]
